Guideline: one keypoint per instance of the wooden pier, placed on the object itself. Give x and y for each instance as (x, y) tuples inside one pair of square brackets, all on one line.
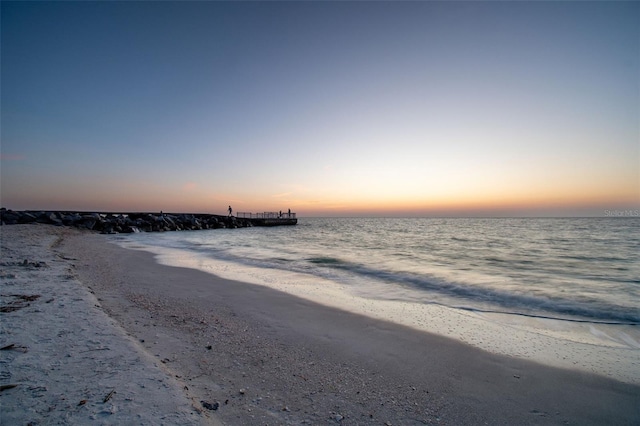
[(269, 218)]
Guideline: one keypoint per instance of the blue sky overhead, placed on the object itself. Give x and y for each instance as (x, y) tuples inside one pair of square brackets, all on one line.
[(327, 108)]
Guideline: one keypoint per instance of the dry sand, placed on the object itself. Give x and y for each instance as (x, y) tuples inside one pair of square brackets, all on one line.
[(63, 359), (166, 339)]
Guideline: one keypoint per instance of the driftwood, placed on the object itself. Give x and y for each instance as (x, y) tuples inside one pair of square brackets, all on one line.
[(9, 386), (13, 346), (108, 397)]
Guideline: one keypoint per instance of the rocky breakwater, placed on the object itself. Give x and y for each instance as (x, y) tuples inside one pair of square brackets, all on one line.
[(109, 223)]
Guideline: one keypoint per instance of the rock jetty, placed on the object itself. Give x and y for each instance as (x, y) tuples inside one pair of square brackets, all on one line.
[(111, 223)]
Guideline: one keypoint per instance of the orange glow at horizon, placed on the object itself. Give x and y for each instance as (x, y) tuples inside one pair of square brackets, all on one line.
[(525, 204), (216, 204), (466, 196)]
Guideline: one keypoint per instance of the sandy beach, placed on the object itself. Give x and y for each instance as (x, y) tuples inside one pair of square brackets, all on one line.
[(94, 333), (63, 359)]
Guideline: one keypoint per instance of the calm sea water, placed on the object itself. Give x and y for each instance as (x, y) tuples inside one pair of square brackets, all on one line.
[(574, 269)]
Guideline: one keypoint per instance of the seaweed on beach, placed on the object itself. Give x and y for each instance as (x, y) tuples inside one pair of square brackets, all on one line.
[(35, 264), (21, 301)]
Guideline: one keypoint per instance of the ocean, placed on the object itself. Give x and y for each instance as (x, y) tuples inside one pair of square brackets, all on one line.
[(572, 279)]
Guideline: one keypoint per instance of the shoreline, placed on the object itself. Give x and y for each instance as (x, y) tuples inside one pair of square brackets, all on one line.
[(268, 357), (609, 350)]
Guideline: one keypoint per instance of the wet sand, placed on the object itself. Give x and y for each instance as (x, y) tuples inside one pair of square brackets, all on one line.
[(265, 357)]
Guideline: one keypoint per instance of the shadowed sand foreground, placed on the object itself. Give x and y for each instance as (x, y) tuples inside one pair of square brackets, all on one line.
[(264, 357)]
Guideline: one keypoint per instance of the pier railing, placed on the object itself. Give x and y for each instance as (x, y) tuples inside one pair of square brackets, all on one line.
[(266, 215)]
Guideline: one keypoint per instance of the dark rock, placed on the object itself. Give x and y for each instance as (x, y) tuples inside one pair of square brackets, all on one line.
[(210, 406), (53, 218), (8, 217), (71, 219), (27, 218)]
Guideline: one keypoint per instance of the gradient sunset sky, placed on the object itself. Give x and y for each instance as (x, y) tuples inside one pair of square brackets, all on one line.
[(326, 108)]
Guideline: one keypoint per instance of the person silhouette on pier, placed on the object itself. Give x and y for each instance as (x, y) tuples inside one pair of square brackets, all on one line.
[(230, 211)]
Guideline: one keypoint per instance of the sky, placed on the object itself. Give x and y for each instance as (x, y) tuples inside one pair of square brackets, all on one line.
[(324, 108)]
